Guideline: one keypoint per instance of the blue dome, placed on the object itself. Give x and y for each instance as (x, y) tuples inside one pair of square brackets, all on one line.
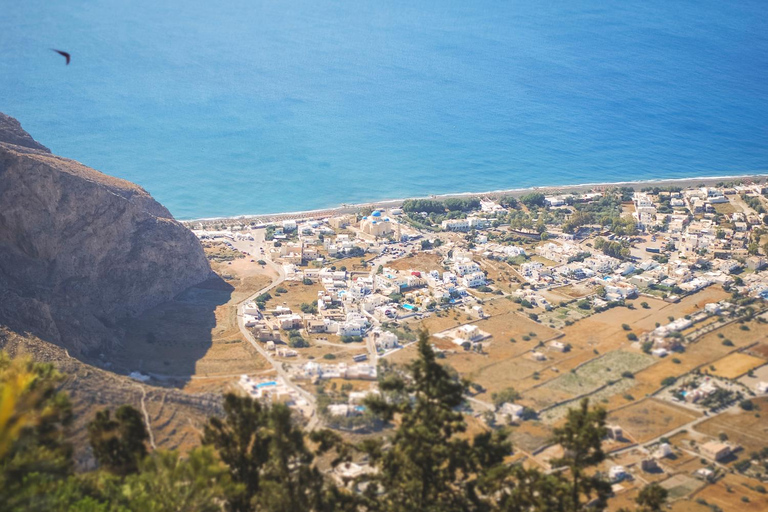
[(376, 214)]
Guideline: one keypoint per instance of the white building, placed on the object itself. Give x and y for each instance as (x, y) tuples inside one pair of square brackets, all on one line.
[(384, 340), (509, 413), (473, 280)]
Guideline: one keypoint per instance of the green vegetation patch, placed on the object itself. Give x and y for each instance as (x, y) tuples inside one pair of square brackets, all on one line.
[(600, 371)]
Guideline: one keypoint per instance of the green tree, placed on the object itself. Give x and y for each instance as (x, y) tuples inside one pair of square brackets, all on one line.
[(118, 443), (509, 394), (267, 456), (34, 452), (428, 465), (533, 199), (652, 498), (581, 439), (169, 483)]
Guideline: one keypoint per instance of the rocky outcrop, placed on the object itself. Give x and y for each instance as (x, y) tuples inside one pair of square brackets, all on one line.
[(79, 250)]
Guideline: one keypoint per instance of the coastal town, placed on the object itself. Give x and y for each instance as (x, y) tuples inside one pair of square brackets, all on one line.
[(649, 300)]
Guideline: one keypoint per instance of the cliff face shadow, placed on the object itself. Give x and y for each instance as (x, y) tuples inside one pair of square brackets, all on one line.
[(169, 341)]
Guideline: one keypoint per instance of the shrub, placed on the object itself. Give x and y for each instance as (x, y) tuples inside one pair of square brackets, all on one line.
[(626, 327), (329, 356), (746, 405), (632, 336), (627, 374), (280, 289), (728, 343), (668, 381), (297, 342)]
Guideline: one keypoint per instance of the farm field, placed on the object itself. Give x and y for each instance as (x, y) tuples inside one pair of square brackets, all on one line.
[(702, 352), (604, 330), (504, 362), (680, 486), (600, 371), (746, 428), (601, 397), (728, 492), (650, 418), (735, 365), (660, 311)]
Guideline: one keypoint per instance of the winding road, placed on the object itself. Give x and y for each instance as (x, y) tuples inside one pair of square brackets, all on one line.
[(247, 247)]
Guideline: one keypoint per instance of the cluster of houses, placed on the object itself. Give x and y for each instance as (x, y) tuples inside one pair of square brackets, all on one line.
[(271, 390), (670, 336), (318, 371)]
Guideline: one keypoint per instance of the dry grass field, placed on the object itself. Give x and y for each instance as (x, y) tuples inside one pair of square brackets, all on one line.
[(735, 365), (728, 494), (602, 398), (726, 208), (530, 436), (746, 428), (760, 350), (297, 294), (575, 291), (504, 363), (422, 261), (688, 506), (604, 330), (706, 350), (651, 418)]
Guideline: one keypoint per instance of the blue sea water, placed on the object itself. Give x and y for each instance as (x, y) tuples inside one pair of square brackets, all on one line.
[(227, 108)]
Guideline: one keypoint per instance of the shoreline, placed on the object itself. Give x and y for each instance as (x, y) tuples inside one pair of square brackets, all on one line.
[(347, 208)]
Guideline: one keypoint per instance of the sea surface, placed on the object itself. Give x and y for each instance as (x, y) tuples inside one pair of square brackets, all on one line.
[(247, 107)]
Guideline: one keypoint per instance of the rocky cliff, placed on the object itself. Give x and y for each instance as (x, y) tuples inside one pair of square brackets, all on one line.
[(79, 250)]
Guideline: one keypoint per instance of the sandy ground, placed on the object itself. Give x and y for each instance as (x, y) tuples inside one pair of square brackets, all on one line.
[(396, 203)]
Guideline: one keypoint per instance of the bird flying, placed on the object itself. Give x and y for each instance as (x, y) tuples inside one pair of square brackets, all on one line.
[(64, 54)]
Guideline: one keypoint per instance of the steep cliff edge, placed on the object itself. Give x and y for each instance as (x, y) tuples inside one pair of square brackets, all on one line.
[(80, 250)]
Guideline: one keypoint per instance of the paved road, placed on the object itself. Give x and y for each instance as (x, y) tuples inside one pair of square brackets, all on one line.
[(252, 249)]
